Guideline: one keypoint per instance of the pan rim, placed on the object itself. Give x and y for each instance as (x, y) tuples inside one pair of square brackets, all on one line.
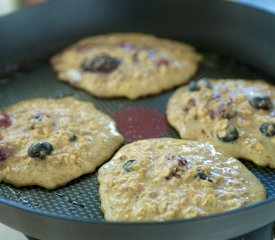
[(267, 203), (60, 217)]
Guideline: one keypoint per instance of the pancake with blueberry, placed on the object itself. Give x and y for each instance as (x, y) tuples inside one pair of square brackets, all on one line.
[(165, 179), (237, 116), (128, 65), (49, 142)]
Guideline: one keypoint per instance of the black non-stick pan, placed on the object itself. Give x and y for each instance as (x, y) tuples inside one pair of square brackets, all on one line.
[(236, 41)]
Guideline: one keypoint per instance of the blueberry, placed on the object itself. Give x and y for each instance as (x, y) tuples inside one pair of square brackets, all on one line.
[(196, 85), (261, 102), (268, 129), (231, 134), (128, 165), (162, 61), (4, 120), (73, 138), (190, 104), (102, 63), (202, 175), (6, 150), (40, 150)]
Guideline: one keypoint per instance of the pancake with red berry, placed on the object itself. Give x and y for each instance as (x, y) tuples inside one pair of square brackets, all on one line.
[(164, 179), (49, 142), (237, 116), (126, 64)]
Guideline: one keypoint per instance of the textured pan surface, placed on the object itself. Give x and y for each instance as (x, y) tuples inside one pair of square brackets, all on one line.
[(80, 198)]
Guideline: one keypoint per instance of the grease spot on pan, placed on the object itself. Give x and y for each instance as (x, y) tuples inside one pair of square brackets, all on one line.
[(140, 123)]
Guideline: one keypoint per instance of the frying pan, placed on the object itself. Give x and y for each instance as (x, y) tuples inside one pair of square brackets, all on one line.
[(236, 40)]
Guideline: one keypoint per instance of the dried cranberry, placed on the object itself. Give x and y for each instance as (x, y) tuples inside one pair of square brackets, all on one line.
[(4, 120), (261, 102), (173, 173), (196, 85), (102, 63), (40, 150), (162, 61), (223, 111), (268, 129), (191, 103), (231, 134), (226, 113), (128, 166), (182, 162), (6, 150)]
